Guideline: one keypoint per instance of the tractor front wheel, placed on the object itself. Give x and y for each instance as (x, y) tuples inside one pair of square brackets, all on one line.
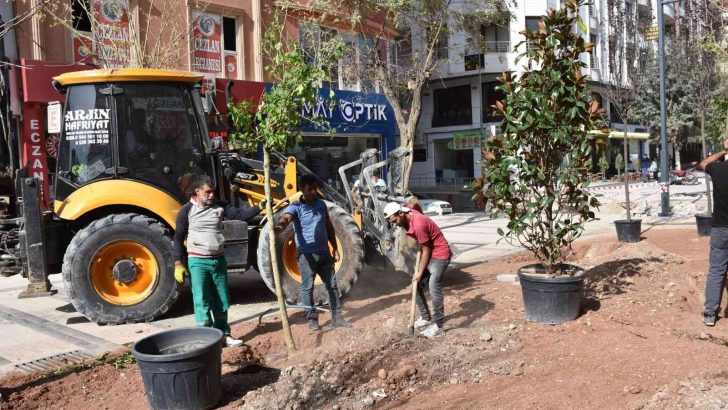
[(119, 269)]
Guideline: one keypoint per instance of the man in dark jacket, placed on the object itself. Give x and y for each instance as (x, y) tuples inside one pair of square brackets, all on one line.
[(718, 171), (200, 222)]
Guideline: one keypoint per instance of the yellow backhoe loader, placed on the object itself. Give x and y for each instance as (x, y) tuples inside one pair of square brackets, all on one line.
[(132, 139)]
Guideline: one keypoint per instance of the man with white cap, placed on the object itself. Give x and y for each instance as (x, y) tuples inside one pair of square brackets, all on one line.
[(434, 259)]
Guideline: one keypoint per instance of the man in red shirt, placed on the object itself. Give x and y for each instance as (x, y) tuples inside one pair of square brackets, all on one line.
[(435, 257)]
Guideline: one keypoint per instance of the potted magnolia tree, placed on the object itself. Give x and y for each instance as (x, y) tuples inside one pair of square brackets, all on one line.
[(538, 177)]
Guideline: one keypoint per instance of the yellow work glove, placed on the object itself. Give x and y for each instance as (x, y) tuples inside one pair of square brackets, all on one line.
[(179, 273)]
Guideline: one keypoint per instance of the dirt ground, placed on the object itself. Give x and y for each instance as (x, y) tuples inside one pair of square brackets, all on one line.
[(639, 344)]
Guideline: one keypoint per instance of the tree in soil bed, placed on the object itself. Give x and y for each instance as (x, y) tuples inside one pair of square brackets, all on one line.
[(278, 120), (538, 176)]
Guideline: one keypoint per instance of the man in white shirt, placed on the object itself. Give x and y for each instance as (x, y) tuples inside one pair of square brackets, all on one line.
[(378, 183)]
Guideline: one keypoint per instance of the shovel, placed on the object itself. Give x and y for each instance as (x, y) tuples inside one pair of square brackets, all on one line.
[(414, 296)]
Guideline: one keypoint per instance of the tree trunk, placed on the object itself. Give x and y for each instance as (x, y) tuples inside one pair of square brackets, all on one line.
[(677, 158), (705, 155), (626, 179), (408, 142), (290, 344)]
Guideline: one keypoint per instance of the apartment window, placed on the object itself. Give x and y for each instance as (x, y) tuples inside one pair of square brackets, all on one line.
[(310, 38), (598, 98), (593, 54), (496, 39), (81, 19), (228, 34), (490, 95), (613, 114), (348, 64), (628, 13), (612, 54), (452, 106), (230, 47), (532, 23), (592, 9), (631, 58), (441, 51)]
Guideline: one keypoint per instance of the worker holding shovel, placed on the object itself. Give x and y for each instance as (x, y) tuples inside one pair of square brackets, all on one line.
[(434, 258)]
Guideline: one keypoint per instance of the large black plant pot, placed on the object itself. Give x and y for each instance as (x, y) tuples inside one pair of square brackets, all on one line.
[(551, 300), (628, 231), (704, 222)]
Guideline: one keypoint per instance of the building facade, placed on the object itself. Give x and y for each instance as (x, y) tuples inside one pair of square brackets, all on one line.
[(457, 118), (219, 39)]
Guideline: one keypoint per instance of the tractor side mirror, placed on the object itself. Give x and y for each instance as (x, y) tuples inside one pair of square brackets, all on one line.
[(215, 145), (197, 156)]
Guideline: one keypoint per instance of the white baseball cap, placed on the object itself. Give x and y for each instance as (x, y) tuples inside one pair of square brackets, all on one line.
[(392, 208)]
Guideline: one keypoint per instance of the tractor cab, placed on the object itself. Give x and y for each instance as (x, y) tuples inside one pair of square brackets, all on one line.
[(130, 124)]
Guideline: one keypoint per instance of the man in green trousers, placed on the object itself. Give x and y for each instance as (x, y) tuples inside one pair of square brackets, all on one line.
[(200, 223)]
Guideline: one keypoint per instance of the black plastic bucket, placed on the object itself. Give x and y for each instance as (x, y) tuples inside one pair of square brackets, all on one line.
[(704, 222), (551, 300), (628, 231), (181, 368)]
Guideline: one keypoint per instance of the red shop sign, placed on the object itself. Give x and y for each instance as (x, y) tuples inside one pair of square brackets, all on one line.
[(112, 32), (34, 145), (207, 45)]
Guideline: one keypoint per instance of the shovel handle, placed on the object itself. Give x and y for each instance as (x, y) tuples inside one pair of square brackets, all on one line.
[(413, 305)]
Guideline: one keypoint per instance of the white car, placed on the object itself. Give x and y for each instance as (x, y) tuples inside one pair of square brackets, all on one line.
[(432, 206)]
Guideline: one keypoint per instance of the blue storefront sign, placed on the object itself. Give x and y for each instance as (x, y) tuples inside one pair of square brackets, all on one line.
[(351, 112)]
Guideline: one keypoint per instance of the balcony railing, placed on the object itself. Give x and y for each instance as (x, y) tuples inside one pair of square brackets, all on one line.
[(497, 46), (457, 182), (475, 56)]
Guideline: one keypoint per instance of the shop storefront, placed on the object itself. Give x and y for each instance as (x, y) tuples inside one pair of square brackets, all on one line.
[(360, 121)]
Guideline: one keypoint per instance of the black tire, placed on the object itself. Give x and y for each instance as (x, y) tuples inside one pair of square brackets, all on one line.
[(351, 251), (130, 228)]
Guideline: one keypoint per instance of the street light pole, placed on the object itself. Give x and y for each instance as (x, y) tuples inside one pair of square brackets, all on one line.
[(664, 177)]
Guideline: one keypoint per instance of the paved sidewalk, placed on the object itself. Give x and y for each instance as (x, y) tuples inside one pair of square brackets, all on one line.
[(34, 329)]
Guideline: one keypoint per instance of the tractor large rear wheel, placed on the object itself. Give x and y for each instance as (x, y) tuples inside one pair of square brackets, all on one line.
[(119, 269), (351, 249)]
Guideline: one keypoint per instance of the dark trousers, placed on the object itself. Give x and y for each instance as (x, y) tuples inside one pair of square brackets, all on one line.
[(432, 277), (716, 272), (312, 264)]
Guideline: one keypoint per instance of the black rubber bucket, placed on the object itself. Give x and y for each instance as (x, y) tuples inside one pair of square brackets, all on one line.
[(628, 231), (551, 300), (704, 223), (181, 368)]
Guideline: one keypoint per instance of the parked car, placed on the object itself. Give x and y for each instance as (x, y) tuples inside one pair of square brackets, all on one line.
[(432, 206)]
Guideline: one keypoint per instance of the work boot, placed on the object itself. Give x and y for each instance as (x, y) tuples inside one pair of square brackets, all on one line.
[(337, 320), (432, 331), (420, 322), (313, 324), (232, 342)]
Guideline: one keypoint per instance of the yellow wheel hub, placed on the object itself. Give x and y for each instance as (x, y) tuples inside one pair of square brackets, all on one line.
[(124, 272), (291, 265)]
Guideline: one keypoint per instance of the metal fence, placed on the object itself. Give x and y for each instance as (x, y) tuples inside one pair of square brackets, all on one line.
[(452, 183)]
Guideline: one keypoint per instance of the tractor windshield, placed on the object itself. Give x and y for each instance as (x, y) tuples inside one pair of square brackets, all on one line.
[(148, 132)]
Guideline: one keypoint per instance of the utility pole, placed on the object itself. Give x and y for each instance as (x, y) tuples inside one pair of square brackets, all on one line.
[(664, 177)]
